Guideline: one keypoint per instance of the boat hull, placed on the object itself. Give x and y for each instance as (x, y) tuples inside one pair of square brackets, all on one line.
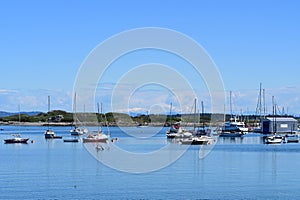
[(273, 140), (99, 137), (231, 134), (14, 141), (52, 137), (71, 140), (194, 142), (49, 134), (85, 140), (197, 140)]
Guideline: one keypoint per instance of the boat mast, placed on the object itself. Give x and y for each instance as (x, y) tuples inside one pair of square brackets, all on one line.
[(74, 110), (230, 101), (19, 107), (260, 103), (97, 116), (274, 116), (171, 114), (264, 102), (202, 113), (48, 112), (195, 110)]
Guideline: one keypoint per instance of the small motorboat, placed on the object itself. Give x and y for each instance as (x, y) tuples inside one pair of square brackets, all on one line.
[(291, 139), (78, 131), (274, 139), (71, 140), (50, 134), (17, 139)]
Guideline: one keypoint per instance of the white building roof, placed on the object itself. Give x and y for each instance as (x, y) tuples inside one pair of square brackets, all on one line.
[(282, 119)]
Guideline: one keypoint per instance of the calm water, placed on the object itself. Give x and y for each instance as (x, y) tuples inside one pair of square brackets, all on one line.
[(241, 168)]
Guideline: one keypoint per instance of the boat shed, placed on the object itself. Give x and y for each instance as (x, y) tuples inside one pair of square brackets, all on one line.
[(283, 125)]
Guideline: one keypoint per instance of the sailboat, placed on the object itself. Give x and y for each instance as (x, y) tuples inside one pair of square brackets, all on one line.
[(202, 130), (274, 139), (196, 139), (99, 136), (176, 131), (17, 137), (76, 131), (49, 133)]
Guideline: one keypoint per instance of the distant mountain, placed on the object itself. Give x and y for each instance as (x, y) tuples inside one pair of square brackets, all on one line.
[(7, 114)]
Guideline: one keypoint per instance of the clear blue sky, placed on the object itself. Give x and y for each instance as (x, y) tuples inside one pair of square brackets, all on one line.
[(43, 43)]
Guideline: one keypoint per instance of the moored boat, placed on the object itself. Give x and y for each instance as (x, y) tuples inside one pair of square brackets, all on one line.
[(274, 139), (176, 131), (201, 140), (231, 134), (97, 137), (78, 131), (235, 126), (291, 138), (50, 134), (17, 139), (71, 140)]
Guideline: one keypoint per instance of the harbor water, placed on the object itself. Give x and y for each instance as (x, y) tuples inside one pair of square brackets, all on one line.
[(236, 168)]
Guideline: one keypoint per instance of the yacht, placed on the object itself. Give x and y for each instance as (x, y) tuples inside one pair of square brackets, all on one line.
[(235, 126), (96, 137)]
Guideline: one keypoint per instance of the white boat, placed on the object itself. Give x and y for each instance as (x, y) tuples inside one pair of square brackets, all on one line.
[(96, 137), (99, 136), (274, 139), (234, 125), (197, 140), (176, 131), (76, 131), (49, 133)]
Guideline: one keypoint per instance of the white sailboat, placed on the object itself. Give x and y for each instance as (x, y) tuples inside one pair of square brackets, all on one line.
[(98, 136), (76, 131), (49, 133), (274, 139), (176, 131), (197, 139)]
